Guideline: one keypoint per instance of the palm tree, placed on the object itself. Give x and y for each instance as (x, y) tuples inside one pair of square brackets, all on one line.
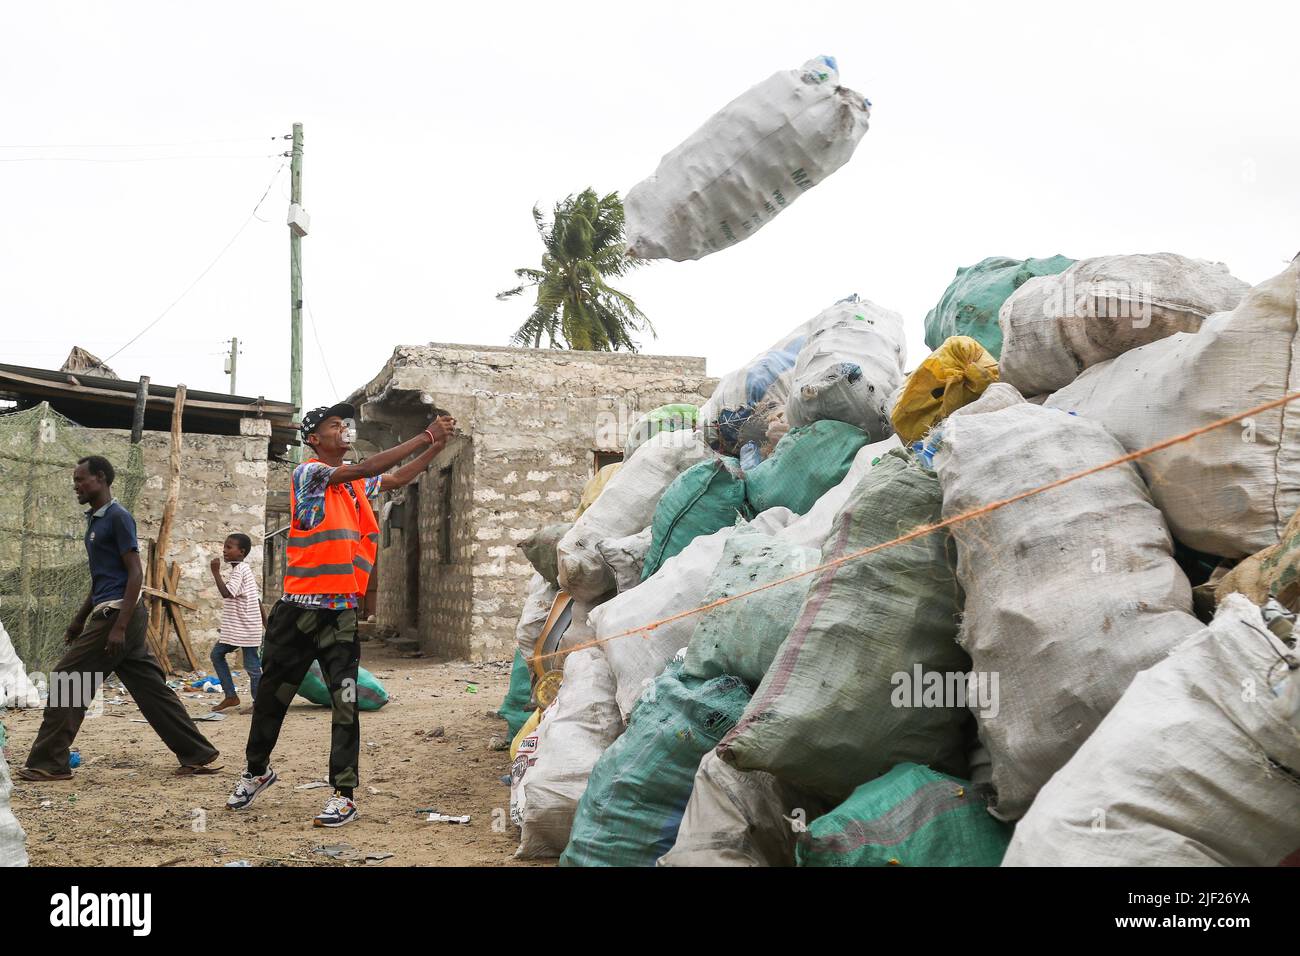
[(575, 305)]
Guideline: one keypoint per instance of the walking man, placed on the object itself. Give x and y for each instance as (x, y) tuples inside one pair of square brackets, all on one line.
[(333, 539), (108, 636)]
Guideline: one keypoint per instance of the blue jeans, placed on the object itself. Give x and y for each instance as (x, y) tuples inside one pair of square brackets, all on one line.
[(252, 664)]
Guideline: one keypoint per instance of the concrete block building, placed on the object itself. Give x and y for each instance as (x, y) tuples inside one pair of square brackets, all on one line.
[(536, 425)]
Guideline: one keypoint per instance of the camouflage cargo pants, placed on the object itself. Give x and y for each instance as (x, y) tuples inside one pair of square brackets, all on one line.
[(296, 636)]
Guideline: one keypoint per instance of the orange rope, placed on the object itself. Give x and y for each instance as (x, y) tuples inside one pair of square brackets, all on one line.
[(923, 530)]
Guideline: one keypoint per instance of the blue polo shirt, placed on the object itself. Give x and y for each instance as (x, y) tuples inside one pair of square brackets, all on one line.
[(110, 532)]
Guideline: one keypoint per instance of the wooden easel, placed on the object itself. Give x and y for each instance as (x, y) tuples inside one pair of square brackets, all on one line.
[(161, 578), (165, 605)]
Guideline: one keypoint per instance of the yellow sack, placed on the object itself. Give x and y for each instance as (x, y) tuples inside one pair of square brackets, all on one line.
[(529, 726), (953, 375), (595, 486)]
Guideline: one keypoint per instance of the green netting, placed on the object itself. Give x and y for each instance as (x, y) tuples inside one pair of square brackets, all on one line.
[(43, 572)]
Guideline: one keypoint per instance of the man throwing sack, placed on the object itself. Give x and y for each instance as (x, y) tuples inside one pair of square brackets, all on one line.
[(333, 539)]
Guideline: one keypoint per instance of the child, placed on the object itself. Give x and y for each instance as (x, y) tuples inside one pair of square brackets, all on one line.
[(242, 619)]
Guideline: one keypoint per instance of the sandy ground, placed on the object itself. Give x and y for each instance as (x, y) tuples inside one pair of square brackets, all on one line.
[(125, 806)]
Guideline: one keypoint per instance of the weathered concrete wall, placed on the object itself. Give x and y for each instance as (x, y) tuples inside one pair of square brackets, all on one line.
[(447, 596), (390, 610), (437, 610), (536, 419)]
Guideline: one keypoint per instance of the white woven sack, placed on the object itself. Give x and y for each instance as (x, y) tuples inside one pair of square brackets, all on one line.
[(583, 721), (751, 160), (677, 586), (1197, 765), (736, 818), (537, 607), (16, 690), (850, 365), (1229, 491), (13, 841), (1055, 326), (626, 557), (625, 507), (1069, 593)]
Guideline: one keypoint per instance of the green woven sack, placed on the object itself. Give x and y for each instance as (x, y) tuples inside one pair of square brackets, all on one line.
[(806, 463), (845, 697), (633, 805), (515, 707), (911, 816), (705, 498), (665, 418), (971, 303), (742, 636), (370, 693)]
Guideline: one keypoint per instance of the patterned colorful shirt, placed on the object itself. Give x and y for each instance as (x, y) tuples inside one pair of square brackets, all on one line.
[(310, 479)]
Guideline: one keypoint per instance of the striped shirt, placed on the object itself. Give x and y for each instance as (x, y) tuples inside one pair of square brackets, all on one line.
[(241, 618), (310, 479)]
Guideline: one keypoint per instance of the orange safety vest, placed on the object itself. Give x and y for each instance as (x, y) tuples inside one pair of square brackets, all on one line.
[(336, 556)]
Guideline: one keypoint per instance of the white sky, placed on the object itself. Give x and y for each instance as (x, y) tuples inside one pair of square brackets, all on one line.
[(997, 129)]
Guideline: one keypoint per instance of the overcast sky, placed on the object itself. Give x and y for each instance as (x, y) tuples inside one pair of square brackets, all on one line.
[(997, 129)]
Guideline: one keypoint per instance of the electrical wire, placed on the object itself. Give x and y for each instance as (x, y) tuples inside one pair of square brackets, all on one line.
[(316, 335), (134, 159), (197, 142), (251, 216)]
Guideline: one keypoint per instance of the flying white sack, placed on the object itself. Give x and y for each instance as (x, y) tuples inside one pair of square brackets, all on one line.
[(752, 158)]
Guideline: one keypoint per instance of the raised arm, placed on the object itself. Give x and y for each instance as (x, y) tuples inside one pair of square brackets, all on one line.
[(412, 469), (216, 576), (433, 439)]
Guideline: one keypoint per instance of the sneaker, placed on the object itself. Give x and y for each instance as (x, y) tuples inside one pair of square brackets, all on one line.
[(338, 811), (249, 787)]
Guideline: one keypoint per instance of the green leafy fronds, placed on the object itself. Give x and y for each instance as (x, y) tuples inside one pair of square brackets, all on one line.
[(575, 307)]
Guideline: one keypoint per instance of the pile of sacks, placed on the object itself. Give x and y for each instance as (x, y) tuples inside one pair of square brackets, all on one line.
[(926, 626)]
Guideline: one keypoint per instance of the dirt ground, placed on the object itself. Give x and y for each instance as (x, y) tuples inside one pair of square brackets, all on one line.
[(125, 806)]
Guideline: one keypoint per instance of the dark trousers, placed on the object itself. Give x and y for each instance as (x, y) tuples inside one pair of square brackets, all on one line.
[(77, 676), (296, 636)]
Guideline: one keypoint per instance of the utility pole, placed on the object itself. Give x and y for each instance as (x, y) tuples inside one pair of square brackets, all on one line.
[(232, 362), (295, 284)]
